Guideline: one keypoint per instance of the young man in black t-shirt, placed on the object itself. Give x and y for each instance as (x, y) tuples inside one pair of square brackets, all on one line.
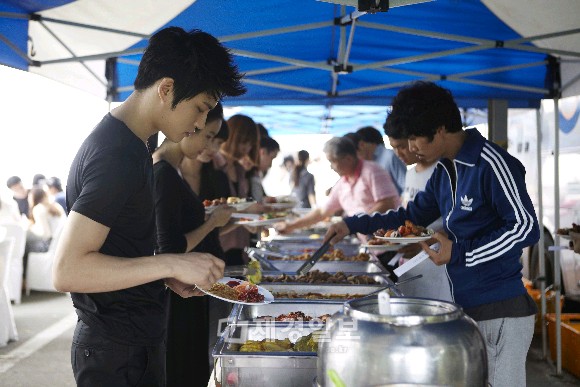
[(105, 254)]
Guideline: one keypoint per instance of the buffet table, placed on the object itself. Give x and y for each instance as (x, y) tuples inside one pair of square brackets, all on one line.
[(280, 258)]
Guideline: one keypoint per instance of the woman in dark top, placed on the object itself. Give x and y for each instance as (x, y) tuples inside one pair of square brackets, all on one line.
[(181, 227), (303, 182), (242, 146)]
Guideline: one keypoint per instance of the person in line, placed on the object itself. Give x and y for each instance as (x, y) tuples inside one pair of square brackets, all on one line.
[(204, 174), (288, 164), (434, 283), (269, 149), (38, 180), (372, 147), (363, 187), (19, 194), (105, 256), (55, 190), (206, 177), (182, 227), (303, 182), (479, 189), (46, 218), (241, 148)]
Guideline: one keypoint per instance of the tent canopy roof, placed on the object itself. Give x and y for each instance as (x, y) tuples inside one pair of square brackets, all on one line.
[(297, 52)]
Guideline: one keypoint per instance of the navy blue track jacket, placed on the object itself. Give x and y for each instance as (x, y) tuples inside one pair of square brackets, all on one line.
[(487, 214)]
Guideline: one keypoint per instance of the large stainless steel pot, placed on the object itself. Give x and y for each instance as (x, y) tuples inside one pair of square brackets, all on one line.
[(422, 342)]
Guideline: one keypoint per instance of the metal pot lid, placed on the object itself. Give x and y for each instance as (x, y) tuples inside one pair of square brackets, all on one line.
[(405, 311)]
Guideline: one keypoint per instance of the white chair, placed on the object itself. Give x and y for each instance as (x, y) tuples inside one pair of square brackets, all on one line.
[(16, 268), (8, 330), (39, 267)]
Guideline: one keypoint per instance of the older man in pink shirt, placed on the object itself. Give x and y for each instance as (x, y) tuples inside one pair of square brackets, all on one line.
[(363, 187)]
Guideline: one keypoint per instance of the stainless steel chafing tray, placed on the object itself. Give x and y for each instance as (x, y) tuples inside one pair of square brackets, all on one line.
[(326, 289), (354, 267), (263, 368), (380, 280), (312, 308), (294, 248)]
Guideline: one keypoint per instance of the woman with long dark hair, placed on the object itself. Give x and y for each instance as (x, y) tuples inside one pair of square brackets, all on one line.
[(182, 227)]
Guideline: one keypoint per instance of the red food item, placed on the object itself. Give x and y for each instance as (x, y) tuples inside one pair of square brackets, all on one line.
[(249, 293), (232, 284)]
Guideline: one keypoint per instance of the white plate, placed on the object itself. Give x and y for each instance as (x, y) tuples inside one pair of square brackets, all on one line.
[(238, 206), (281, 206), (382, 247), (268, 297), (241, 215), (403, 240), (265, 222)]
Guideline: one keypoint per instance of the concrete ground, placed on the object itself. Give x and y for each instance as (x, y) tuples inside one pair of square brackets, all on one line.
[(45, 323)]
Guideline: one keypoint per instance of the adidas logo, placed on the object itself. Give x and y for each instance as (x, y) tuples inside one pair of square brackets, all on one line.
[(466, 203)]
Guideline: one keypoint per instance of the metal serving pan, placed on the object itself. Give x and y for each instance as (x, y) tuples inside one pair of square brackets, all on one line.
[(327, 289), (312, 308), (293, 369), (295, 248), (355, 267), (380, 279)]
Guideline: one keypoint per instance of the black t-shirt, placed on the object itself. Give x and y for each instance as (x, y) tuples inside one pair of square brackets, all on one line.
[(214, 183), (111, 182), (23, 206), (178, 211)]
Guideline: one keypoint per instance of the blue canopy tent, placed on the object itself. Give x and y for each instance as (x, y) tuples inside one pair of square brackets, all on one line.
[(308, 52)]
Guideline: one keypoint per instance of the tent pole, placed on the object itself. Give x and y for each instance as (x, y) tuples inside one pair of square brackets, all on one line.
[(556, 227), (542, 242)]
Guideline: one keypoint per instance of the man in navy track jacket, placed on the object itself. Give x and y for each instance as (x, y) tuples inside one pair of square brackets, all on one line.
[(479, 190)]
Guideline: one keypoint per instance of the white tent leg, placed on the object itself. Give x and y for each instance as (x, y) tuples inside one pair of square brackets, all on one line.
[(557, 283), (542, 242)]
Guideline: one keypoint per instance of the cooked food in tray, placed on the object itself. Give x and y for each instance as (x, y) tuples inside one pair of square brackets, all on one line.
[(322, 277), (294, 316), (332, 255), (308, 343), (316, 296), (409, 230)]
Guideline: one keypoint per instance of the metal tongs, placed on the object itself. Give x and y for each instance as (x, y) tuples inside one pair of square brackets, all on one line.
[(394, 285), (260, 256), (239, 270), (305, 268)]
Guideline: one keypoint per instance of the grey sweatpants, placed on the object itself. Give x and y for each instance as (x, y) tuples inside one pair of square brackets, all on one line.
[(507, 341)]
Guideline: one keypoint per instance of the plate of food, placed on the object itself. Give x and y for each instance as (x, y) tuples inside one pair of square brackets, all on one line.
[(240, 204), (239, 292), (382, 246), (408, 233), (261, 220), (281, 202)]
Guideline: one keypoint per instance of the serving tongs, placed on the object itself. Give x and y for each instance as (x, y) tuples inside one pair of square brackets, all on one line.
[(394, 285), (260, 256), (305, 268), (239, 270)]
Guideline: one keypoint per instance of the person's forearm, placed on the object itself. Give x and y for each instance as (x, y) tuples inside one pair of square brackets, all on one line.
[(95, 272), (312, 200), (309, 219), (383, 205), (194, 237)]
